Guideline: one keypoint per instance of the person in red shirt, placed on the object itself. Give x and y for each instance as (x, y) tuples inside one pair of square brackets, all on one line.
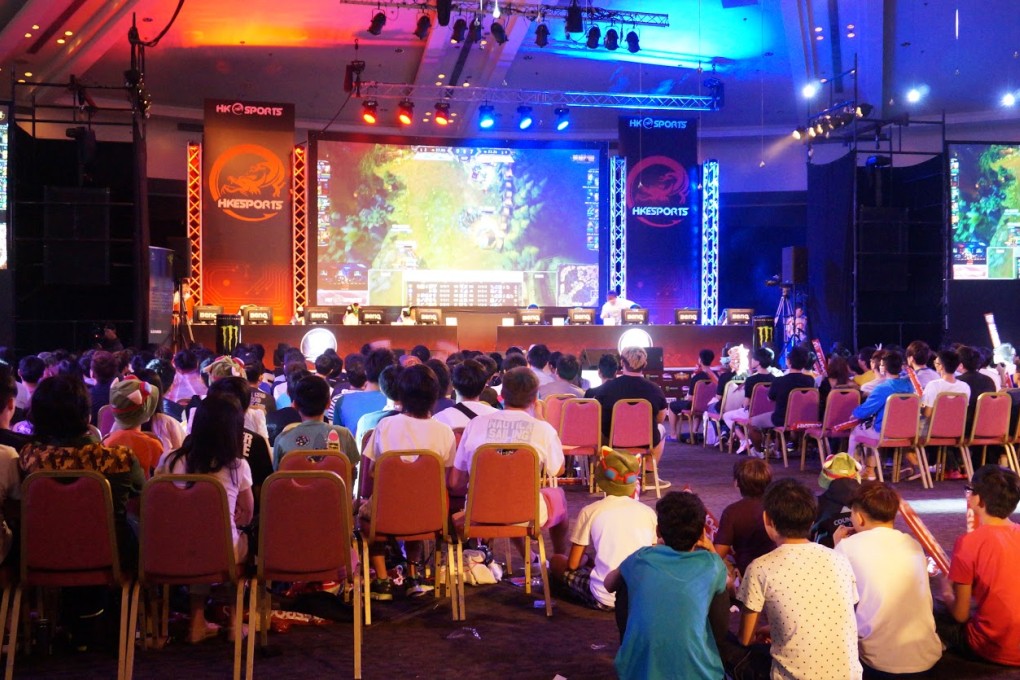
[(983, 571)]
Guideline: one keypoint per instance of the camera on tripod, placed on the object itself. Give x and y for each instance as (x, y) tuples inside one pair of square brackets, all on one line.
[(777, 280)]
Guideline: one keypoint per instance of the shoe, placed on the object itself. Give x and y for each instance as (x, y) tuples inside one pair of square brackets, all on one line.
[(907, 472), (417, 586), (955, 474), (755, 453), (870, 476), (742, 447), (381, 589)]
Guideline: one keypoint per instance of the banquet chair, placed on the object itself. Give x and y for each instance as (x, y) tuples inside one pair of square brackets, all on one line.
[(801, 409), (947, 430), (631, 431), (839, 407), (760, 404), (581, 433), (732, 396), (899, 431), (703, 393), (991, 426), (326, 460)]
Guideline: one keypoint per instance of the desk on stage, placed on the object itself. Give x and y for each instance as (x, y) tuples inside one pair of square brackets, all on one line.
[(349, 338)]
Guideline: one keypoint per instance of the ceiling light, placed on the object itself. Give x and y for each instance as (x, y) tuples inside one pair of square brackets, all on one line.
[(612, 39), (28, 35), (810, 90), (633, 46), (818, 29), (914, 95), (68, 33), (498, 32), (800, 133), (369, 108), (28, 74), (574, 24), (61, 41), (1009, 99), (424, 24), (486, 116), (459, 31), (851, 34), (475, 32), (562, 118), (442, 113), (542, 35), (378, 21), (526, 118), (594, 37), (35, 27), (405, 112)]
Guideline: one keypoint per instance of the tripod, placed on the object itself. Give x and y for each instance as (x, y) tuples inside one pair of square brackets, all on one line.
[(784, 316), (181, 337)]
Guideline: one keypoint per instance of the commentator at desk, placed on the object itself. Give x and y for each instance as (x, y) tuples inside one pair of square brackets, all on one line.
[(613, 308)]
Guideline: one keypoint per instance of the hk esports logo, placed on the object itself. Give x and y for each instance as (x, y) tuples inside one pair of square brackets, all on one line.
[(657, 191), (247, 182)]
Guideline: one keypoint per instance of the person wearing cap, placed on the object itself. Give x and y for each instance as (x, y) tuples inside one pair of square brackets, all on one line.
[(612, 310), (895, 625), (840, 478), (133, 402), (613, 528)]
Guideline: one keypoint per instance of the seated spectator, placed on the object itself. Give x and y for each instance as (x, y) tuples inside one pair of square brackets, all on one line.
[(350, 407), (169, 431), (796, 377), (979, 383), (988, 366), (188, 381), (761, 360), (278, 420), (918, 356), (982, 574), (469, 380), (608, 368), (103, 370), (412, 429), (30, 370), (878, 377), (310, 399), (946, 363), (837, 377), (388, 386), (806, 590), (443, 375), (895, 627), (567, 370), (865, 373), (703, 372), (261, 396), (613, 528), (134, 402), (742, 536), (8, 397), (229, 367), (538, 360), (489, 395), (662, 580), (165, 371), (254, 447), (10, 443), (631, 384), (294, 361), (840, 478), (324, 366), (873, 411)]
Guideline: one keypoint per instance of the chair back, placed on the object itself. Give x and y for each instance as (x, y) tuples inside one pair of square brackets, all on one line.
[(582, 423), (839, 406), (948, 417), (703, 393), (326, 460), (364, 481), (305, 530), (631, 425), (539, 409), (760, 402), (802, 406), (185, 534), (991, 416), (105, 420), (67, 530), (554, 409), (730, 401), (504, 486), (902, 414), (410, 496)]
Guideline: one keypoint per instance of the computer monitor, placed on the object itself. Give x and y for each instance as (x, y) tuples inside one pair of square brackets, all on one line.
[(429, 316), (530, 316), (255, 315), (686, 316), (317, 316), (581, 316), (373, 316), (634, 317), (206, 314), (733, 316)]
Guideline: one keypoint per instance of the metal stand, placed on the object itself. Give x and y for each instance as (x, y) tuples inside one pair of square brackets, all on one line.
[(181, 337), (784, 313)]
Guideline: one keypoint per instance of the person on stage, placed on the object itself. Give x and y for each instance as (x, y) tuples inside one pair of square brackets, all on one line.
[(613, 308)]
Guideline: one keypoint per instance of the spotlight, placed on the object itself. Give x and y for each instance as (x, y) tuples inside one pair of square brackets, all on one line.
[(526, 118), (864, 110), (442, 116), (811, 132), (405, 112), (914, 95), (475, 32), (575, 24), (498, 32), (800, 133), (542, 35), (486, 116), (809, 91), (368, 111), (1009, 99), (459, 31), (424, 24), (378, 21), (612, 39), (633, 44), (562, 118), (594, 37)]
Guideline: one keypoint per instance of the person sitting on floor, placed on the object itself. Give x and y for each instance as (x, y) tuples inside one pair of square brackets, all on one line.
[(806, 590), (310, 398), (874, 407), (840, 478), (983, 573), (895, 625), (613, 527), (741, 526), (674, 615)]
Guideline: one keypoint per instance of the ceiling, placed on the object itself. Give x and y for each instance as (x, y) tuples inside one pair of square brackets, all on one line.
[(964, 55)]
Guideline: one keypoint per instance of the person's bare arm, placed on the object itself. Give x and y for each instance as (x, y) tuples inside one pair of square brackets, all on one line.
[(957, 598), (719, 616), (722, 550), (244, 510), (576, 557), (458, 482), (613, 581), (748, 622)]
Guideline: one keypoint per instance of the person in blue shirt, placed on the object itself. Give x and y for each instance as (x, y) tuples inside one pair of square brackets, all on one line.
[(672, 598), (874, 407)]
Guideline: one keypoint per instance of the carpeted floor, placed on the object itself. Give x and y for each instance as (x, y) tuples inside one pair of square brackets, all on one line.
[(505, 634)]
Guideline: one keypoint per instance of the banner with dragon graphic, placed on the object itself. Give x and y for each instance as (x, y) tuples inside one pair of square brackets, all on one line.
[(246, 205), (663, 213)]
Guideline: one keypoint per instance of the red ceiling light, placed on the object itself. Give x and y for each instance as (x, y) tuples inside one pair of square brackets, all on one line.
[(369, 109), (442, 113), (405, 112)]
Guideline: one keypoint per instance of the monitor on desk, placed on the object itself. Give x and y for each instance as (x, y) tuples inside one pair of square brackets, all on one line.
[(634, 317), (732, 316), (581, 316), (530, 316), (429, 316), (255, 315), (206, 314), (686, 316), (317, 316), (373, 316)]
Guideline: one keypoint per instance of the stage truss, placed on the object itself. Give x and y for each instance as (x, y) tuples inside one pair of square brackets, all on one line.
[(618, 224), (710, 243), (193, 286), (299, 227)]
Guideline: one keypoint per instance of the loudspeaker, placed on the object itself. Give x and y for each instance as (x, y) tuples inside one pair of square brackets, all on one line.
[(182, 256), (795, 265)]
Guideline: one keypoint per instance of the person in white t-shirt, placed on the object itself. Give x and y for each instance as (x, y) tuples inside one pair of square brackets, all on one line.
[(946, 363), (895, 625), (469, 378), (612, 310), (515, 424), (613, 527)]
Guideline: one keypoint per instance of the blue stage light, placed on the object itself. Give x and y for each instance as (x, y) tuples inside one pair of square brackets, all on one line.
[(526, 119), (562, 118), (486, 116)]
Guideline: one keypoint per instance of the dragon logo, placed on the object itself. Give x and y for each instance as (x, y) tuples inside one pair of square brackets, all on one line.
[(247, 182), (657, 191)]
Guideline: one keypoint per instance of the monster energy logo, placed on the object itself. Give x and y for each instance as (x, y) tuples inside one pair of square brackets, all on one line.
[(230, 336), (765, 334)]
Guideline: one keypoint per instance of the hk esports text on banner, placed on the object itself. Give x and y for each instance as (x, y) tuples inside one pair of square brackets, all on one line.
[(246, 205), (663, 214)]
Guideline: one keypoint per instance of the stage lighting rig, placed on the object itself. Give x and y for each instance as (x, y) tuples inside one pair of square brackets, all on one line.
[(612, 40), (526, 117), (459, 31), (405, 112), (594, 37), (542, 35), (424, 24), (633, 42), (486, 116), (378, 21), (575, 22), (562, 118), (442, 112), (498, 32), (369, 111)]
